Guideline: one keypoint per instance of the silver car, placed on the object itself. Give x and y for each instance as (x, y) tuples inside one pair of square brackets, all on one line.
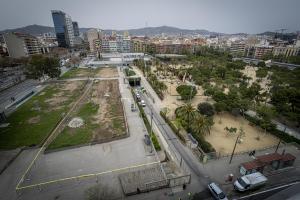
[(216, 192)]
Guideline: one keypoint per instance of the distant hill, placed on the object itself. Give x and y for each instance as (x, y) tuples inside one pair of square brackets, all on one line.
[(150, 31), (31, 29), (168, 30)]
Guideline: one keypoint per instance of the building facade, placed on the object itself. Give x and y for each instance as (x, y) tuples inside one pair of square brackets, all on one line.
[(21, 45), (63, 28), (93, 38), (76, 29)]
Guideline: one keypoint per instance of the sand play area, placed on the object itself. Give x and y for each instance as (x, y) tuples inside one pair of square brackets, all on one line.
[(224, 142)]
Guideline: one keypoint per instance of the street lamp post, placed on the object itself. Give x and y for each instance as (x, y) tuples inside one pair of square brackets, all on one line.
[(237, 138)]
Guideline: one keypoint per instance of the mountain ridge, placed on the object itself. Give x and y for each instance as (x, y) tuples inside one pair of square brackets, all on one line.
[(40, 29), (148, 31)]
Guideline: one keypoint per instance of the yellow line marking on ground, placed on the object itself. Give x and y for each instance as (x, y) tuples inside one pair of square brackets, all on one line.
[(84, 176), (43, 146)]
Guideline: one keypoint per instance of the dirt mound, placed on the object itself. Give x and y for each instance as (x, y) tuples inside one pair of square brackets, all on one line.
[(76, 122)]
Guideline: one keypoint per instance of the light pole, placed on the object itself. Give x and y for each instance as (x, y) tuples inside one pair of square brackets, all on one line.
[(237, 138)]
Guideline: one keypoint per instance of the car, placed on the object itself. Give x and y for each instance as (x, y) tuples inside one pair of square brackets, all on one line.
[(216, 192), (143, 103), (133, 108)]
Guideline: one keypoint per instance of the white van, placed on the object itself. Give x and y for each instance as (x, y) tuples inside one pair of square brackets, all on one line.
[(250, 181)]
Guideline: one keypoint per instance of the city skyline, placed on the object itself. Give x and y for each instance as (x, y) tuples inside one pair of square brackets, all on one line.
[(226, 17)]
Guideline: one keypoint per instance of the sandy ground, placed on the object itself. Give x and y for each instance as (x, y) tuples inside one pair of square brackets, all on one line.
[(172, 101), (107, 72), (106, 94), (251, 72), (223, 142)]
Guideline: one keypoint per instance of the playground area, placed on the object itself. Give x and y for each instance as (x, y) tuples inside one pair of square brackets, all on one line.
[(254, 138)]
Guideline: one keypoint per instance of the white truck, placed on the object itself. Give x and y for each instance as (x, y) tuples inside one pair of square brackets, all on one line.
[(250, 181)]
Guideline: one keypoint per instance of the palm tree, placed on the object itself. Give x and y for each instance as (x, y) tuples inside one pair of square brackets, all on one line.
[(186, 113), (201, 125)]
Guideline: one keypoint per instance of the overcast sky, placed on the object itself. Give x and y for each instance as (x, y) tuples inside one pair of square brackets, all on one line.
[(228, 16)]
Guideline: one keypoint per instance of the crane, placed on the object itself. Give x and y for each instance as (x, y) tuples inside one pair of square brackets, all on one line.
[(281, 31)]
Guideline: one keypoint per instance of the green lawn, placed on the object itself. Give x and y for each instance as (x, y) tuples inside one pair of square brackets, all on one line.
[(23, 132), (75, 136)]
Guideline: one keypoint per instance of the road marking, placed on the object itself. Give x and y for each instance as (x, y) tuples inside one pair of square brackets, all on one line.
[(84, 176), (271, 189)]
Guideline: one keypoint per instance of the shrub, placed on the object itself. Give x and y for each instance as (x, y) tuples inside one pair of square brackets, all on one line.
[(206, 109), (186, 91), (173, 127), (155, 142)]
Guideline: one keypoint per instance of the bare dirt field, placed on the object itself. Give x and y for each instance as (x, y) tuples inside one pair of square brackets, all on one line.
[(223, 142), (110, 115), (106, 72), (101, 112)]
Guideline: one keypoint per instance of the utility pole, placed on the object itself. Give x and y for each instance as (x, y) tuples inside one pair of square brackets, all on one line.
[(151, 121), (278, 146), (234, 148)]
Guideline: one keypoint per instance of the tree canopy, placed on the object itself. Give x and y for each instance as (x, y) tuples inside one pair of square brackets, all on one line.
[(186, 91), (40, 66)]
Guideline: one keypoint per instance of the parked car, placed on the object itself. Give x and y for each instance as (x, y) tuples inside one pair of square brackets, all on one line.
[(133, 107), (216, 192), (143, 103), (147, 139), (250, 181)]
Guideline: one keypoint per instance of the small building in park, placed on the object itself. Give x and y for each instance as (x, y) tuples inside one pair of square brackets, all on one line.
[(272, 161)]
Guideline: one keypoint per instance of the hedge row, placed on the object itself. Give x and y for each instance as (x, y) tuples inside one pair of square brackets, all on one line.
[(205, 146), (155, 142), (280, 134), (173, 127)]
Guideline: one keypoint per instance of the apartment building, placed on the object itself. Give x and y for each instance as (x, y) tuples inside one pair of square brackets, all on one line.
[(262, 50), (21, 45), (237, 48), (93, 38), (138, 45)]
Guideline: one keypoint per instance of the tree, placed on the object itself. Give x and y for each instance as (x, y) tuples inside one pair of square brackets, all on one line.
[(221, 72), (201, 125), (186, 113), (186, 91), (206, 109), (220, 106), (231, 130), (261, 64), (39, 66), (266, 114)]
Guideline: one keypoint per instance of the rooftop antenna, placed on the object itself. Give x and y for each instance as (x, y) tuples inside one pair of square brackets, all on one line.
[(146, 26)]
